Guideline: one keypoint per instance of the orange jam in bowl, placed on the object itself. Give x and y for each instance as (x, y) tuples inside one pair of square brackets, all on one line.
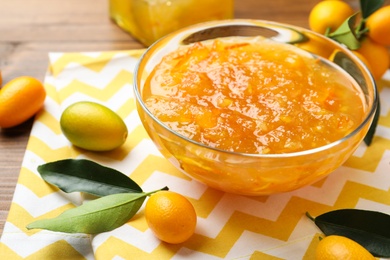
[(254, 97), (251, 115)]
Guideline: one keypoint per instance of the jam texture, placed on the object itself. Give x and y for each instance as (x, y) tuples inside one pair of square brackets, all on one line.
[(257, 96)]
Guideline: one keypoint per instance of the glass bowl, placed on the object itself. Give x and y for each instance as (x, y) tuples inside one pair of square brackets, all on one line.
[(254, 174)]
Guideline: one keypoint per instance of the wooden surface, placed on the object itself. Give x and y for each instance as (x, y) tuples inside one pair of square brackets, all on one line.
[(29, 30)]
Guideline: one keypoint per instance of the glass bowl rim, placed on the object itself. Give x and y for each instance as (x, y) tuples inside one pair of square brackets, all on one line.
[(211, 24)]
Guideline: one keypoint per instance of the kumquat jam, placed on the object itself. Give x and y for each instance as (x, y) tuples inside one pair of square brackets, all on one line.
[(258, 96)]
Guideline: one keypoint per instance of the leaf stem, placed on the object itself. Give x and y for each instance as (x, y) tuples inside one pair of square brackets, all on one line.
[(309, 216), (151, 192)]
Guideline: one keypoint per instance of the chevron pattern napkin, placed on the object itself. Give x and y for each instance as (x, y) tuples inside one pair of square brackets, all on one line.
[(229, 226)]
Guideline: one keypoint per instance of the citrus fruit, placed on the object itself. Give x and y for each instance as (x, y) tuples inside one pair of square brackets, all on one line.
[(20, 99), (327, 16), (93, 127), (170, 216), (338, 247), (376, 55), (378, 25), (316, 46), (363, 59)]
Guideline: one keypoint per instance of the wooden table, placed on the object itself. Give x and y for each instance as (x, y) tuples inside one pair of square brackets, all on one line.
[(31, 29)]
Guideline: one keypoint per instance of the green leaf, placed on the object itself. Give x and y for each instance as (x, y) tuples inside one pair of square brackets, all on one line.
[(371, 229), (371, 131), (96, 216), (346, 35), (82, 175), (368, 7)]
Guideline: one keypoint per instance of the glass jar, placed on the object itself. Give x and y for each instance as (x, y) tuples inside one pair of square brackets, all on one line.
[(149, 20)]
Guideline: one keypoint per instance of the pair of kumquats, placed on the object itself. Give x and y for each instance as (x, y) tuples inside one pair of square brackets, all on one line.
[(328, 15), (87, 125)]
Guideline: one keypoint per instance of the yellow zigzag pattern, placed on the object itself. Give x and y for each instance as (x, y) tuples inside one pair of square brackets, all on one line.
[(310, 252), (238, 222), (154, 163), (58, 250), (48, 120), (370, 159), (35, 183), (41, 149), (262, 256), (385, 120), (96, 63), (19, 217), (8, 253), (76, 86)]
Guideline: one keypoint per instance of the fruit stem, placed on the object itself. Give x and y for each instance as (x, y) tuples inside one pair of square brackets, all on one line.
[(327, 32), (361, 29)]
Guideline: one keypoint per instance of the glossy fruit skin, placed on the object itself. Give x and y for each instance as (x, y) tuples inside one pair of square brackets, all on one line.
[(363, 59), (376, 55), (335, 247), (378, 25), (170, 216), (20, 99), (328, 14), (93, 127)]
